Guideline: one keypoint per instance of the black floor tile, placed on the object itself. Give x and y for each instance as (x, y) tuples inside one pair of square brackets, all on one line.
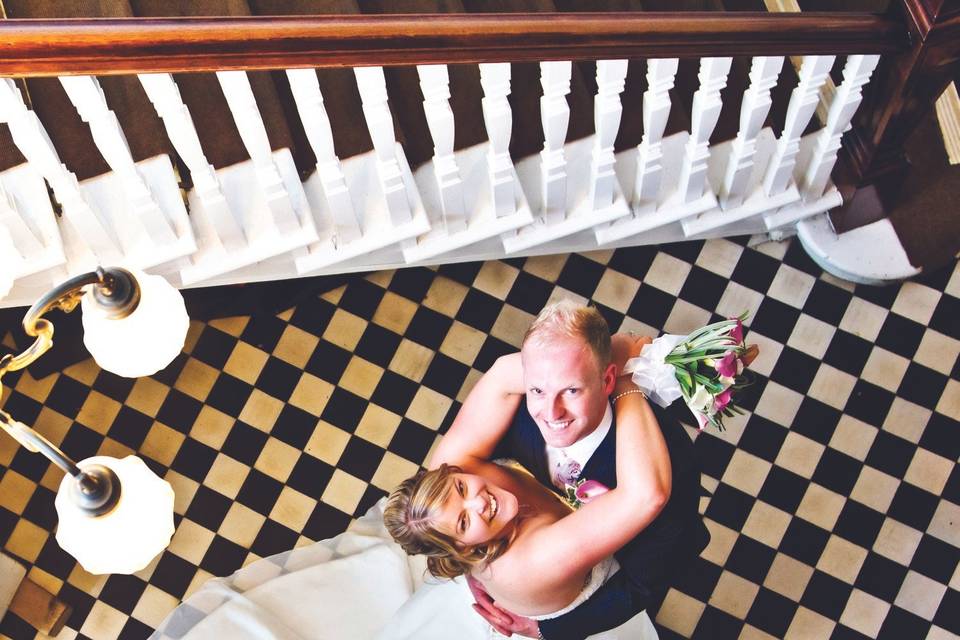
[(826, 595), (580, 275), (412, 283), (244, 443), (900, 335), (361, 298), (310, 475), (479, 310), (395, 393), (750, 559), (213, 347), (771, 612), (294, 426), (913, 506), (880, 577), (263, 331), (378, 345)]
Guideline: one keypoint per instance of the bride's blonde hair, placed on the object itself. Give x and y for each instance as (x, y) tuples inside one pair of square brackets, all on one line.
[(411, 518)]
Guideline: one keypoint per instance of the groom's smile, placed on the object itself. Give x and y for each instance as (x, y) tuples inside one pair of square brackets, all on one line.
[(566, 388)]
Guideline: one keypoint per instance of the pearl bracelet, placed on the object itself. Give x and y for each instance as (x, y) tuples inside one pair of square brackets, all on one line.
[(626, 393)]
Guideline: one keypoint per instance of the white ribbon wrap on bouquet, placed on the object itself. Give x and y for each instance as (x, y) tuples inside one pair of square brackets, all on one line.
[(655, 377)]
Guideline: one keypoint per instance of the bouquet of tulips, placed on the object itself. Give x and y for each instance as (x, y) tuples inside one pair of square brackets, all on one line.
[(705, 368)]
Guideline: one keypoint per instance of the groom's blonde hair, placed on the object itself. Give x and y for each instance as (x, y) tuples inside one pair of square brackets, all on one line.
[(411, 518), (569, 319)]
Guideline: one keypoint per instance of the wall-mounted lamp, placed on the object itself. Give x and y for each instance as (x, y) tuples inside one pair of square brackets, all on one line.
[(115, 515)]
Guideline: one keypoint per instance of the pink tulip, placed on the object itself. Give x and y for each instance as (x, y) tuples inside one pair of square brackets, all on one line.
[(722, 400), (727, 365), (736, 333), (702, 420), (589, 490)]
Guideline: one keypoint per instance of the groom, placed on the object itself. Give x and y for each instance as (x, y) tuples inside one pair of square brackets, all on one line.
[(564, 434)]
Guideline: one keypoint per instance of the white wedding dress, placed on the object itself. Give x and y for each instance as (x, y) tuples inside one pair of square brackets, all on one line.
[(359, 585)]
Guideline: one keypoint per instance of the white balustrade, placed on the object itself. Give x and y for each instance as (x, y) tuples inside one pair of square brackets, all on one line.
[(753, 112), (555, 117), (165, 96), (815, 174), (256, 221), (316, 124), (88, 99), (373, 94), (498, 119), (782, 169), (435, 85), (611, 77), (79, 220), (704, 116), (735, 168), (243, 106), (661, 75), (814, 70)]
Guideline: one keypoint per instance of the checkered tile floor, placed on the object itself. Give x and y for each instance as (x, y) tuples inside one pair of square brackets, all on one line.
[(835, 507)]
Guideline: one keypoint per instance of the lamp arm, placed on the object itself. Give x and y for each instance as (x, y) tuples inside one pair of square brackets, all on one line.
[(64, 297), (36, 443), (116, 288)]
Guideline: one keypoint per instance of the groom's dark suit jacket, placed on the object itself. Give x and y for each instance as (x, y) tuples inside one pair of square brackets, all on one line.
[(650, 560)]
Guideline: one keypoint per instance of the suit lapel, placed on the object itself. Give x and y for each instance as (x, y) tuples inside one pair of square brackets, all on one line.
[(534, 447), (602, 464)]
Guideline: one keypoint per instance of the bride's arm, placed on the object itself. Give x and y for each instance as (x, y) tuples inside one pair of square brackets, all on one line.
[(485, 416), (609, 521)]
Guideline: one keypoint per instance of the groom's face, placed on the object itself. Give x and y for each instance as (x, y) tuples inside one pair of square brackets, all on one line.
[(566, 387)]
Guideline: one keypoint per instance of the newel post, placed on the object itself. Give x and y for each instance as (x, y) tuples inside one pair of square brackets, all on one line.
[(904, 88)]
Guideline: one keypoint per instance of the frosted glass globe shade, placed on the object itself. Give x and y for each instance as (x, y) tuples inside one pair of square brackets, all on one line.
[(144, 342), (129, 536)]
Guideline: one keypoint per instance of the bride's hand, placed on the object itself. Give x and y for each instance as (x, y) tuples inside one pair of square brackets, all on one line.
[(503, 621), (624, 346)]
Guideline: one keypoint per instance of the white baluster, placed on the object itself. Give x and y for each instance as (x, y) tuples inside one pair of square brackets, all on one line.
[(243, 106), (803, 102), (705, 113), (87, 96), (316, 124), (753, 112), (498, 119), (165, 96), (435, 85), (555, 116), (25, 241), (32, 141), (373, 94), (607, 110), (661, 74), (816, 172)]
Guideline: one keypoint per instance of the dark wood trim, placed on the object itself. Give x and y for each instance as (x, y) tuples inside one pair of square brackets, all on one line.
[(130, 45), (873, 164)]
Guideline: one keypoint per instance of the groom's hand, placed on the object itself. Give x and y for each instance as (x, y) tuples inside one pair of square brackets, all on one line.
[(499, 618)]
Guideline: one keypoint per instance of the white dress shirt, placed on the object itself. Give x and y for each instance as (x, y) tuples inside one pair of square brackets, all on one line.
[(581, 450)]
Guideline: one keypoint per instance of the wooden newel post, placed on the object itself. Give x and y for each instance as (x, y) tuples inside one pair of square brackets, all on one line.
[(904, 88)]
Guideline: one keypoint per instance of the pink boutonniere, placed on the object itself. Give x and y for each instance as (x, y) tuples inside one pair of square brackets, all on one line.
[(583, 491)]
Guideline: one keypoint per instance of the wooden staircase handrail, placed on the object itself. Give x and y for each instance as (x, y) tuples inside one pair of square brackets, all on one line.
[(111, 46)]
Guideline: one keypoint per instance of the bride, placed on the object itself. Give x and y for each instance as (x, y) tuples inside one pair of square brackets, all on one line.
[(465, 517)]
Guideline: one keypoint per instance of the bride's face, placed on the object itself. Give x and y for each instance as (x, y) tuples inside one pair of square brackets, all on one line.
[(475, 511)]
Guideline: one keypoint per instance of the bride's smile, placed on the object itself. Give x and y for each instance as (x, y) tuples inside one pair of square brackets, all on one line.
[(476, 510)]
